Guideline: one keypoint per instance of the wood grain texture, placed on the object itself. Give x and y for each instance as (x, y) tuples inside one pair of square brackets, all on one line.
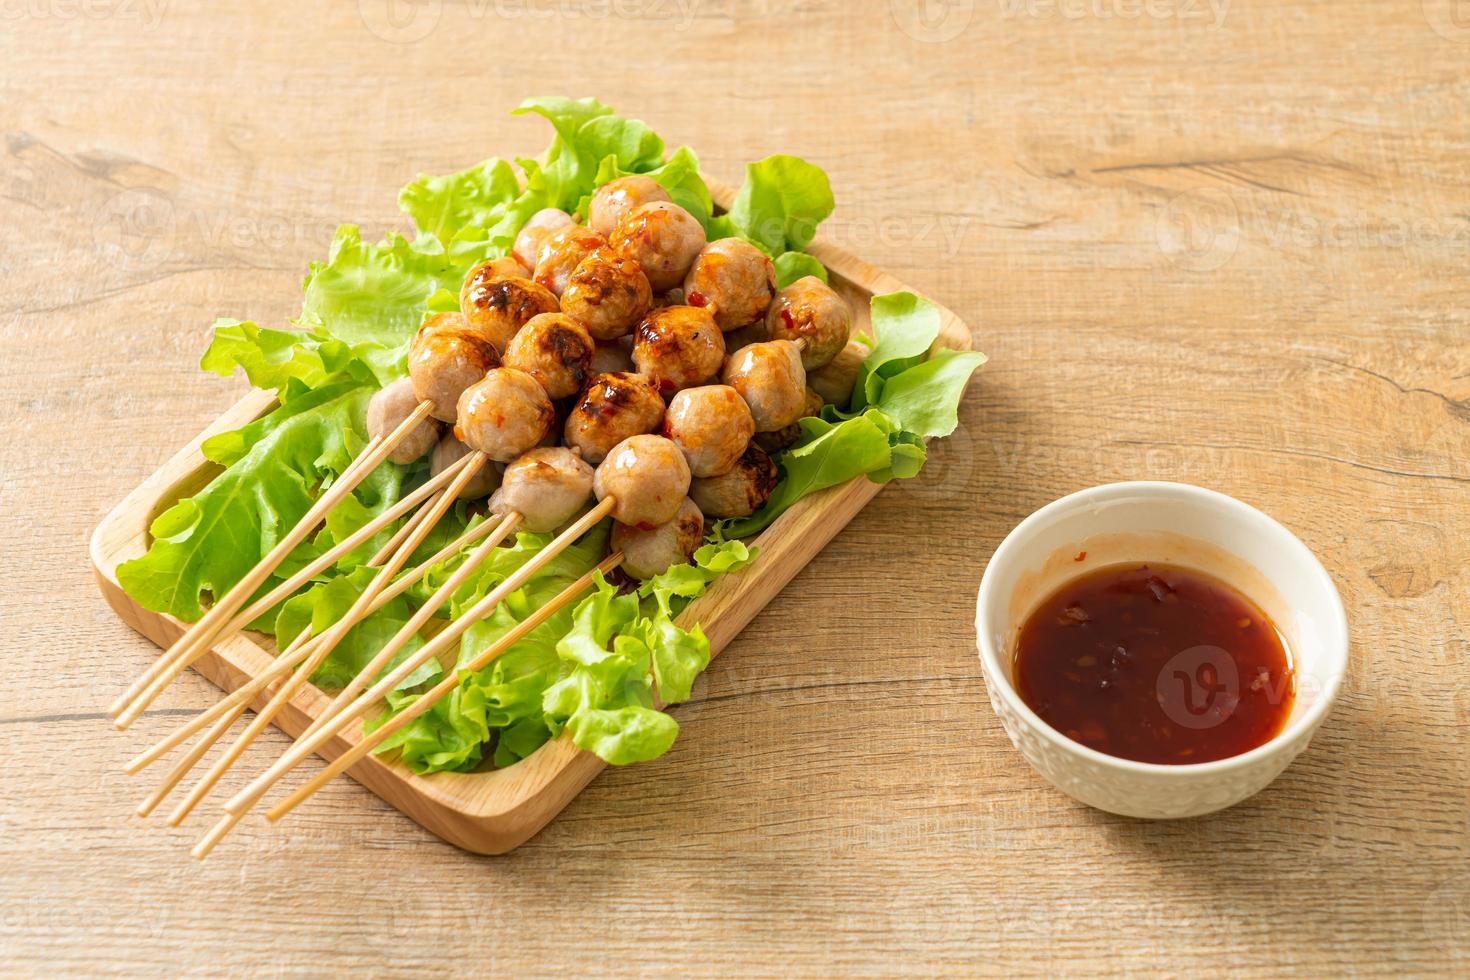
[(1223, 250)]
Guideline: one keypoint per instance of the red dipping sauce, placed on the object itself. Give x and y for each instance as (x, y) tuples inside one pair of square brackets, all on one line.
[(1155, 663)]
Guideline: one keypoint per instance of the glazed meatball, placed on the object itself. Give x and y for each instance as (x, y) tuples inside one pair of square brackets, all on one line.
[(654, 551), (809, 310), (534, 233), (547, 487), (754, 333), (772, 381), (663, 238), (787, 435), (648, 479), (508, 266), (732, 279), (449, 451), (739, 492), (562, 252), (678, 347), (607, 293), (504, 415), (711, 426), (610, 409), (555, 350), (444, 360), (387, 410), (833, 381), (497, 306), (616, 198), (613, 355)]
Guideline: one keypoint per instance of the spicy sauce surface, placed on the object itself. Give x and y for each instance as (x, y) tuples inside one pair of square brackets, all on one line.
[(1155, 663)]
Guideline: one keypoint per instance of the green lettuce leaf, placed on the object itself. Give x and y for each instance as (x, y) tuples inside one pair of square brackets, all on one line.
[(791, 266), (475, 198), (780, 204), (587, 133)]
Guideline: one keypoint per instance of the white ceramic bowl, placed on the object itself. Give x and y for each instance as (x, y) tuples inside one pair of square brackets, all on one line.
[(1183, 525)]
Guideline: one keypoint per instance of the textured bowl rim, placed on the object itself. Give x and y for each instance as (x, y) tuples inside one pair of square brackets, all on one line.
[(998, 678)]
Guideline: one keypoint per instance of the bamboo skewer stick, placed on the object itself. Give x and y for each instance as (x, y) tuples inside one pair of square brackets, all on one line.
[(427, 701), (373, 454), (221, 726), (285, 662), (400, 535), (415, 623), (329, 642), (239, 804), (189, 654)]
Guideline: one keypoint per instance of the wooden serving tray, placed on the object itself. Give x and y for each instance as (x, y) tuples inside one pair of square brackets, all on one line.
[(494, 811)]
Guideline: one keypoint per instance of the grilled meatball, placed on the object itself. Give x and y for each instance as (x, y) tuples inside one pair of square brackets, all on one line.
[(613, 355), (534, 233), (663, 238), (772, 381), (808, 309), (449, 451), (508, 266), (444, 360), (711, 426), (607, 293), (562, 252), (678, 347), (504, 415), (739, 492), (610, 409), (547, 487), (787, 435), (754, 333), (386, 411), (555, 350), (648, 478), (497, 306), (616, 198), (833, 381), (654, 551), (732, 279)]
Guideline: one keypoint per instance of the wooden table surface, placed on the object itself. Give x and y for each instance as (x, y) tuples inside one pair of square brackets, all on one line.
[(1225, 244)]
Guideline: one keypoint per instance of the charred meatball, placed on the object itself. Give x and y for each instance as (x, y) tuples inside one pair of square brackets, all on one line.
[(833, 381), (740, 492), (772, 381), (732, 279), (547, 487), (497, 306), (504, 415), (648, 479), (449, 451), (711, 425), (678, 347), (388, 409), (809, 310), (534, 233), (614, 199), (610, 409), (562, 252), (444, 360), (508, 266), (663, 238), (555, 350), (607, 293), (651, 552)]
